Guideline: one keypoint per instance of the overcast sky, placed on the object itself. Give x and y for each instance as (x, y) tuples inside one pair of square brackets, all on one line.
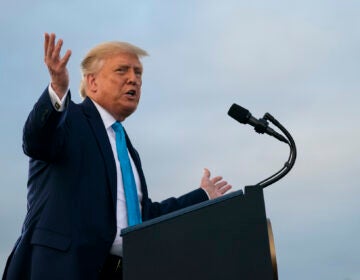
[(298, 60)]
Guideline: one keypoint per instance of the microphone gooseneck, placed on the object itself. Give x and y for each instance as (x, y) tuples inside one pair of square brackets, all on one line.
[(243, 116)]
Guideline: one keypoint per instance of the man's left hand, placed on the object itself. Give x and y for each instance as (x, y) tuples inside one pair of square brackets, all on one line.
[(215, 187)]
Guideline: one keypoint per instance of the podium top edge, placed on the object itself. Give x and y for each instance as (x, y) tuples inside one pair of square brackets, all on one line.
[(181, 212)]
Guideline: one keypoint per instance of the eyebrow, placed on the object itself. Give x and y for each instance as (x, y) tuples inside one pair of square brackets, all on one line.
[(127, 66)]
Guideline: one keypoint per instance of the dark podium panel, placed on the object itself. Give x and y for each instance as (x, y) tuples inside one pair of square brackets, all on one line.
[(226, 238)]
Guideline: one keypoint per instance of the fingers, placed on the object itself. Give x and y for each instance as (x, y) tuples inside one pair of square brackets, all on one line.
[(225, 189), (52, 51), (222, 188), (57, 49), (46, 43), (221, 184), (49, 44), (65, 59), (216, 179)]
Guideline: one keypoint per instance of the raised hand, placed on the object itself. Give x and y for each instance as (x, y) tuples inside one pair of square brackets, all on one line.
[(56, 65), (214, 187)]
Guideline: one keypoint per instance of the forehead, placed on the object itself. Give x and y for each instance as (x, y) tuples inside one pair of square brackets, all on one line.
[(123, 59)]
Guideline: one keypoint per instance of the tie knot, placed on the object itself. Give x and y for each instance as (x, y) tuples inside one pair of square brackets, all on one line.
[(117, 127)]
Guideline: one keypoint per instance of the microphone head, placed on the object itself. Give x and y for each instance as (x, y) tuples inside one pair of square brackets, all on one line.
[(239, 113)]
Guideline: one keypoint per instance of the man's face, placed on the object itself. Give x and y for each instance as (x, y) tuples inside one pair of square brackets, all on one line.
[(117, 86)]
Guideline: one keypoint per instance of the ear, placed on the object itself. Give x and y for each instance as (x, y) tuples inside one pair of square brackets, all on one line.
[(91, 83)]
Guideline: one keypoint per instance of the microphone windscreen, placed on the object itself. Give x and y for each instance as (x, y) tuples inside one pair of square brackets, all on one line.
[(239, 113)]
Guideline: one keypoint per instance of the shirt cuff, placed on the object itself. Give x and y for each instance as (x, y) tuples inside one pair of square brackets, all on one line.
[(206, 193), (58, 104)]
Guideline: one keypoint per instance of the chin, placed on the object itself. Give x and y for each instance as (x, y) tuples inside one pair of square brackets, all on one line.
[(126, 112)]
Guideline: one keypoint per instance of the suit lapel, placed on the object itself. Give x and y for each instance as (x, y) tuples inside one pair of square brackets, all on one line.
[(102, 140)]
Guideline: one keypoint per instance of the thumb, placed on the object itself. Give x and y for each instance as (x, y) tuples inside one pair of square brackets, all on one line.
[(206, 173)]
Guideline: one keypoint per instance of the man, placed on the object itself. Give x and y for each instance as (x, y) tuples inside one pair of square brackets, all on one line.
[(79, 196)]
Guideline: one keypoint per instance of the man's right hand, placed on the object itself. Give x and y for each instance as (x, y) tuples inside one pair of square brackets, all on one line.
[(57, 65)]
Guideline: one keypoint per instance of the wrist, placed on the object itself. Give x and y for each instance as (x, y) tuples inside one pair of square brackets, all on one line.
[(207, 193), (59, 90)]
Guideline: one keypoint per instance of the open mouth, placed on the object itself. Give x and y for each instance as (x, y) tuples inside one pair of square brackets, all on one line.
[(131, 92)]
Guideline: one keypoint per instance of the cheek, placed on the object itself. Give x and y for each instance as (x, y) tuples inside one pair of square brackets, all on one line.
[(115, 80)]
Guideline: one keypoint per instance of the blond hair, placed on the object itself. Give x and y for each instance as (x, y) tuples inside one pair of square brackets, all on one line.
[(94, 59)]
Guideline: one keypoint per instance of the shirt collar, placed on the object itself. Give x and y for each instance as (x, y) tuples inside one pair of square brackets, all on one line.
[(106, 117)]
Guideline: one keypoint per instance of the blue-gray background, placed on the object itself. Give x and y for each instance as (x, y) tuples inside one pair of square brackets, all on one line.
[(298, 60)]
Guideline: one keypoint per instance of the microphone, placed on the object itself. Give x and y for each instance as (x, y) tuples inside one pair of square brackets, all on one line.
[(243, 116)]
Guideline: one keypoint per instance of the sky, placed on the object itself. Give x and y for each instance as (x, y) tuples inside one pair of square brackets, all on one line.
[(298, 60)]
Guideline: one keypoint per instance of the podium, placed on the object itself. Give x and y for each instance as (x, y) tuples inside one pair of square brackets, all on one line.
[(226, 238)]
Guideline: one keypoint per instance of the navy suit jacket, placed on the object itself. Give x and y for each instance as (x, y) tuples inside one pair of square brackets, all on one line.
[(71, 217)]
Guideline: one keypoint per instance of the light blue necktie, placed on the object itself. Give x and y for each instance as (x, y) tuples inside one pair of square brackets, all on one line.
[(131, 197)]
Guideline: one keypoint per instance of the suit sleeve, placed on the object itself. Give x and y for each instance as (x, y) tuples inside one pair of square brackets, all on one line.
[(43, 134), (155, 209)]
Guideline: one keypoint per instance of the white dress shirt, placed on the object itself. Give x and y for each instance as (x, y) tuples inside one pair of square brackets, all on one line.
[(121, 212)]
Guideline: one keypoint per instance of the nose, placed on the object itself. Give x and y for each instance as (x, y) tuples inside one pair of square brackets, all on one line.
[(132, 77)]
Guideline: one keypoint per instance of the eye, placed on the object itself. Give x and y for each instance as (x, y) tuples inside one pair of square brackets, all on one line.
[(138, 72), (121, 70)]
